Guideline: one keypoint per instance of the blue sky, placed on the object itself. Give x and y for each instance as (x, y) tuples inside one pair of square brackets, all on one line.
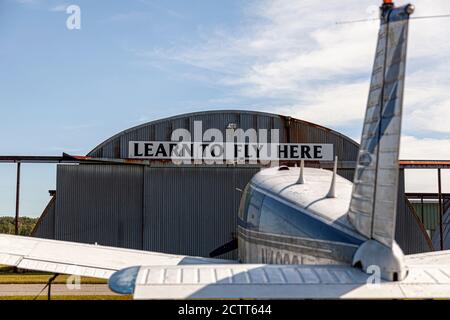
[(138, 60)]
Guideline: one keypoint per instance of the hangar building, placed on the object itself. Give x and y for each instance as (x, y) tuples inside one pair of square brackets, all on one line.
[(182, 209)]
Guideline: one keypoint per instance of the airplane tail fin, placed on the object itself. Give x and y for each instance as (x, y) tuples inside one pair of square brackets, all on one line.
[(374, 199)]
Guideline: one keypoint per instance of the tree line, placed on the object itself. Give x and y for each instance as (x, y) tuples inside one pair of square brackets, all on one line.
[(26, 225)]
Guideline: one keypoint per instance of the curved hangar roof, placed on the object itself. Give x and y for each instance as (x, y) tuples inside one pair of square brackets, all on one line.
[(291, 131)]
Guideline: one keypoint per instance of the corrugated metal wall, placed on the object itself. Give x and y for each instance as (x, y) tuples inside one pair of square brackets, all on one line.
[(99, 203), (185, 210), (429, 214), (290, 130), (304, 132), (167, 209), (409, 232), (445, 229), (192, 211)]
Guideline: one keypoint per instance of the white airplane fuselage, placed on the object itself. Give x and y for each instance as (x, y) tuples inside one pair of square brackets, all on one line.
[(284, 222)]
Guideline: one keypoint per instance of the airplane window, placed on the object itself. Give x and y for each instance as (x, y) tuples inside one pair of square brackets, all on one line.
[(278, 218), (254, 209), (243, 205)]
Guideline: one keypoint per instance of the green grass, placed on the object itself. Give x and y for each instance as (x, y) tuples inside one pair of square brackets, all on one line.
[(31, 278), (7, 276), (44, 297), (4, 268)]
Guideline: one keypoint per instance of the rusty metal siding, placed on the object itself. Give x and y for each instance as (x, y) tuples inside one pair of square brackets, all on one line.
[(182, 210), (299, 131), (303, 132), (429, 214), (192, 211), (409, 231), (99, 203), (45, 226), (186, 210)]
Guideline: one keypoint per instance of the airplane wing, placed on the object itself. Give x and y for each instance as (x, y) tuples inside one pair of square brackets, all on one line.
[(81, 259), (429, 258), (429, 277)]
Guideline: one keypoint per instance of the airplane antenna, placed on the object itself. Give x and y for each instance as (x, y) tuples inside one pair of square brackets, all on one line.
[(332, 191), (389, 4), (439, 16), (301, 180)]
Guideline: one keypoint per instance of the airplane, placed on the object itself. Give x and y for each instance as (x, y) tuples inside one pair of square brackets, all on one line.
[(302, 232)]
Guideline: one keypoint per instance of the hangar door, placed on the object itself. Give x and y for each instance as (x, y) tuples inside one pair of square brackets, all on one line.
[(180, 210)]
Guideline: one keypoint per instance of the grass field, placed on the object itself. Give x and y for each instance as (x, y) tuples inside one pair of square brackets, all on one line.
[(39, 278), (7, 276)]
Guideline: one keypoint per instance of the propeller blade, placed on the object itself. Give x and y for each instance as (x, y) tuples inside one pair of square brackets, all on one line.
[(227, 247)]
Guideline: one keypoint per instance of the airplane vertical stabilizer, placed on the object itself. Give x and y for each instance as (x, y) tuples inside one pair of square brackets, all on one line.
[(374, 199)]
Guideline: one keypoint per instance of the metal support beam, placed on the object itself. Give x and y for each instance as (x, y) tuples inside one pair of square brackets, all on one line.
[(16, 222), (421, 211), (424, 164), (425, 195), (50, 281), (441, 213)]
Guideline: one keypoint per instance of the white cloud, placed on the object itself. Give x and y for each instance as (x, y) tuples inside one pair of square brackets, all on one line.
[(291, 57), (425, 180), (413, 148), (295, 58), (427, 100), (331, 106)]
